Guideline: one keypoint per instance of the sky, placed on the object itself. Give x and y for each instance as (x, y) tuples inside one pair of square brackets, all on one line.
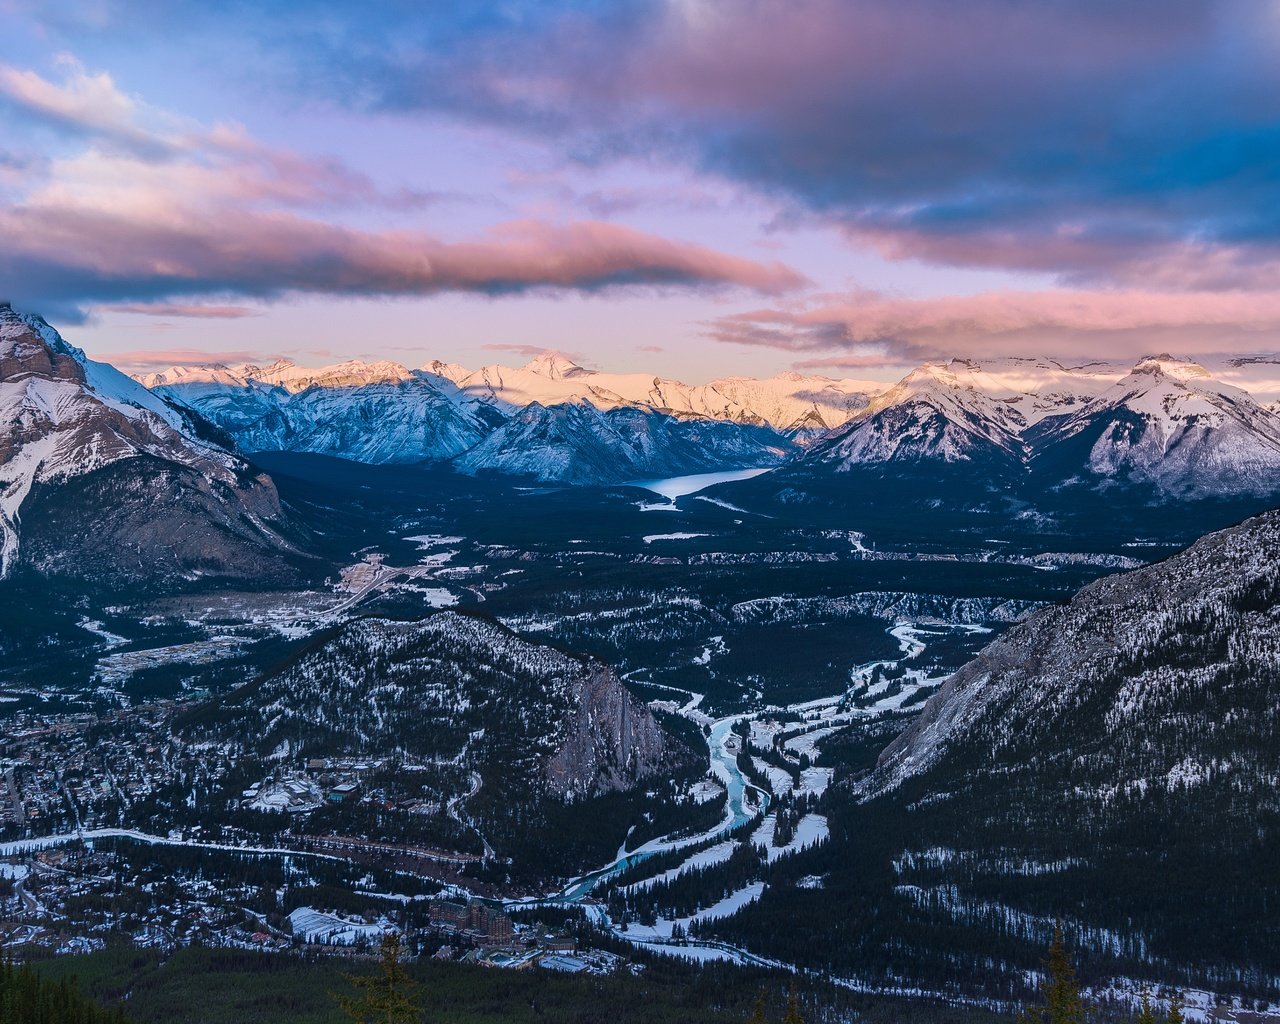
[(694, 188)]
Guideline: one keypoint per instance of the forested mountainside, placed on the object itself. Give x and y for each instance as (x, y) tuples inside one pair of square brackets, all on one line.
[(1114, 760), (475, 715)]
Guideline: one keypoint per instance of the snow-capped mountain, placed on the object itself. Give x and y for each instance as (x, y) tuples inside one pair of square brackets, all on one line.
[(1165, 423), (1170, 424), (575, 442), (98, 472), (788, 402), (551, 419), (937, 412), (960, 411), (372, 413)]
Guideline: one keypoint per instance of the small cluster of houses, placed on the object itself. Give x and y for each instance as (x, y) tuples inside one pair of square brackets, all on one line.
[(319, 781), (497, 941), (47, 762)]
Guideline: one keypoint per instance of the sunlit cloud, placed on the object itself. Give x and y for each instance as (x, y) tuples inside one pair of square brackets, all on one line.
[(869, 329), (165, 215)]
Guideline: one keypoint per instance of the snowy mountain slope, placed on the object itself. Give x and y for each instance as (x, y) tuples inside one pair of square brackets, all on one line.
[(1168, 423), (934, 413), (958, 412), (385, 419), (1126, 652), (73, 423), (580, 444), (1114, 760)]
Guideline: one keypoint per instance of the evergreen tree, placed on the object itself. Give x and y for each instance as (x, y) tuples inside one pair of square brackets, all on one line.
[(1063, 1003), (1175, 1015), (757, 1012), (386, 997), (1146, 1014), (793, 1009)]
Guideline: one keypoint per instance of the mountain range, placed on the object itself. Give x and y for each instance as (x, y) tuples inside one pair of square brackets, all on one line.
[(1163, 424)]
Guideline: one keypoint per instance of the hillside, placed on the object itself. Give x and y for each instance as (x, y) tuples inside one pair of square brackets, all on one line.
[(1114, 759), (458, 717)]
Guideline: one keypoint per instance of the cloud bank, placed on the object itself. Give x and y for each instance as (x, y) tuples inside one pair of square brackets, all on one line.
[(152, 209)]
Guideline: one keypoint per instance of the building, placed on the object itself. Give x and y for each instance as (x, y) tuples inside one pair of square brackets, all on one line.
[(455, 915), (344, 792), (563, 964)]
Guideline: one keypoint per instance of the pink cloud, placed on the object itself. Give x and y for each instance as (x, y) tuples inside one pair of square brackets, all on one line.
[(169, 252), (531, 351), (173, 309), (867, 329), (140, 360)]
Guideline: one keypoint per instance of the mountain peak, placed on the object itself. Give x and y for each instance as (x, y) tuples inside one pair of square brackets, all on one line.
[(553, 364), (1171, 366)]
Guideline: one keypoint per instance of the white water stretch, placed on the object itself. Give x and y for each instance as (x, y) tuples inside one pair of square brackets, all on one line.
[(673, 487)]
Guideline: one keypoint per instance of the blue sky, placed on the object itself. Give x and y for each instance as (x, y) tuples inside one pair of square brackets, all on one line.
[(692, 187)]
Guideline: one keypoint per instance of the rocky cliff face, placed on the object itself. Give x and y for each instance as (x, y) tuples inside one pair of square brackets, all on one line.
[(100, 478), (610, 740)]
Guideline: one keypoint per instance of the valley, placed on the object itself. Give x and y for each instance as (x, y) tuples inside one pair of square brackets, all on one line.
[(603, 713)]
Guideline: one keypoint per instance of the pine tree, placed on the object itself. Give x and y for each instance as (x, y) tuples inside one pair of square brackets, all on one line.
[(386, 997), (1175, 1015), (757, 1013), (1063, 1003), (793, 1009), (1146, 1015)]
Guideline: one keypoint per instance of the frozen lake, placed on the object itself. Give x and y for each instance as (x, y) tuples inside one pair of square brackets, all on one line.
[(673, 487)]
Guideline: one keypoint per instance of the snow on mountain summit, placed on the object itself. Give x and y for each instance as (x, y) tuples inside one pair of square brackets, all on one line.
[(73, 421), (1170, 423), (555, 365), (1164, 422)]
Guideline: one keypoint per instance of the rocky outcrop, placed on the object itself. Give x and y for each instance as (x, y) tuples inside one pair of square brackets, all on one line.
[(611, 741)]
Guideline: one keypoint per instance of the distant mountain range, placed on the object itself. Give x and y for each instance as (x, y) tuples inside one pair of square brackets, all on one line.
[(1165, 424), (101, 477)]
